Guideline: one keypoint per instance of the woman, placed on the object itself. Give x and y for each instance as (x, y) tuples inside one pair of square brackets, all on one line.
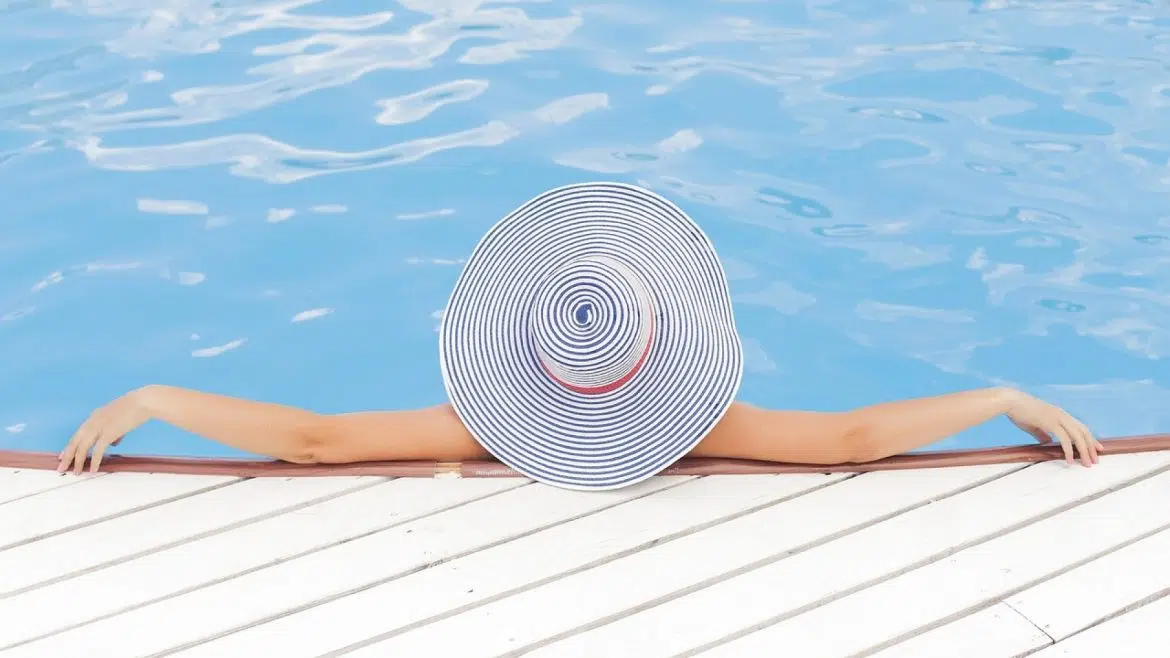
[(747, 432), (589, 343)]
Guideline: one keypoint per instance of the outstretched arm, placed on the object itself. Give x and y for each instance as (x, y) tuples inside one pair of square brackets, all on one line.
[(285, 433), (436, 433), (890, 428)]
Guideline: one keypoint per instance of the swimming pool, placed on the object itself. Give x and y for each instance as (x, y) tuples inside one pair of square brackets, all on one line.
[(273, 198)]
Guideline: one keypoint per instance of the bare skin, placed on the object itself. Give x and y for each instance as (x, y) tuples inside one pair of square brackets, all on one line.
[(436, 433)]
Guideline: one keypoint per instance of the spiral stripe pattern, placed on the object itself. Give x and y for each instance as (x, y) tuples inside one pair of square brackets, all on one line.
[(592, 324), (590, 341)]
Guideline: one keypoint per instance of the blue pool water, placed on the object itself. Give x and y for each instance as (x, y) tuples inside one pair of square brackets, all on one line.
[(273, 198)]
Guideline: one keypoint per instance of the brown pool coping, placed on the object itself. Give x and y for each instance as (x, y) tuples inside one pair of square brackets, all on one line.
[(479, 469)]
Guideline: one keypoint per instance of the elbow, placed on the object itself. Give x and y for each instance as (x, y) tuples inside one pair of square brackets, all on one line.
[(311, 443), (859, 443), (305, 452)]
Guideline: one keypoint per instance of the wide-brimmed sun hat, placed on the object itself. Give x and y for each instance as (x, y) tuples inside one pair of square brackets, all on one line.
[(590, 342)]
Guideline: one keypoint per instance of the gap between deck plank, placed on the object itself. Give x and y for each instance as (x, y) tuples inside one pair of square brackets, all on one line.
[(174, 621), (994, 632), (896, 609), (1142, 633), (1103, 588), (107, 592), (488, 575), (805, 581), (134, 534), (16, 484), (94, 500), (666, 570)]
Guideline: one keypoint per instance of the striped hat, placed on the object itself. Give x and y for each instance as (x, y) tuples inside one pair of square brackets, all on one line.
[(589, 342)]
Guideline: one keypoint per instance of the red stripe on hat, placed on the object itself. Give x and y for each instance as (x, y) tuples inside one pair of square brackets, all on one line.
[(617, 383)]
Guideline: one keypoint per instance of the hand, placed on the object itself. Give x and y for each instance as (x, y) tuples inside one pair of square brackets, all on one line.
[(104, 428), (1045, 421)]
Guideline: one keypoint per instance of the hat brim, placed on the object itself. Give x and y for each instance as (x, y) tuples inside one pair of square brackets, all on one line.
[(494, 378)]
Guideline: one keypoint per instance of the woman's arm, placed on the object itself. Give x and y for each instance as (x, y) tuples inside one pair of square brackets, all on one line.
[(286, 433), (746, 432), (881, 430)]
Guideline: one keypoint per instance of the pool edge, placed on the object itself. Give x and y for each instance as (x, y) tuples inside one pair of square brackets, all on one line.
[(477, 469)]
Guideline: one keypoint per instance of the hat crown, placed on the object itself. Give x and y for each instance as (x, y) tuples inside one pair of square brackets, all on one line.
[(592, 324)]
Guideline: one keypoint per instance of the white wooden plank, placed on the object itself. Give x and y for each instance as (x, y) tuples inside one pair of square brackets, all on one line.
[(509, 567), (97, 498), (1142, 633), (334, 571), (877, 552), (128, 536), (974, 577), (1085, 596), (995, 632), (151, 577), (671, 568), (18, 483)]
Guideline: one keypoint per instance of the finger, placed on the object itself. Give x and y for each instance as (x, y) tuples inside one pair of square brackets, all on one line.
[(82, 452), (1089, 433), (1065, 445), (66, 459), (1085, 443), (1088, 457), (99, 451), (61, 458), (78, 461), (1078, 444), (1091, 443)]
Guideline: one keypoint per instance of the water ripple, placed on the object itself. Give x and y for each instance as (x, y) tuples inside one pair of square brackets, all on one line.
[(910, 197), (257, 156), (418, 105)]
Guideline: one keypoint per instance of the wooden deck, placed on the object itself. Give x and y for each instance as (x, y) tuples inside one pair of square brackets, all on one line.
[(985, 561)]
